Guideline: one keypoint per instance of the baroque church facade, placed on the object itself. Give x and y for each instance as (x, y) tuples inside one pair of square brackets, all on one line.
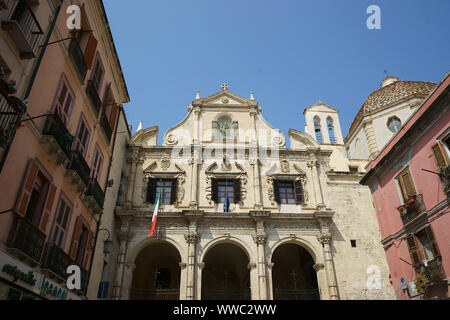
[(244, 217)]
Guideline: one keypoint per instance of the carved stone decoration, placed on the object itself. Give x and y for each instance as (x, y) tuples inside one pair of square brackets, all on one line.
[(165, 163), (324, 238), (226, 165), (270, 190), (285, 166), (208, 189), (260, 239), (181, 179), (171, 139), (244, 180), (225, 101), (279, 141), (191, 237)]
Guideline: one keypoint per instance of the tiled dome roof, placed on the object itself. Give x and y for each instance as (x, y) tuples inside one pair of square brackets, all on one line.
[(389, 94)]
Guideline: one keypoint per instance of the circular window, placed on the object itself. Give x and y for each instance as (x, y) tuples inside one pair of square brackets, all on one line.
[(394, 124)]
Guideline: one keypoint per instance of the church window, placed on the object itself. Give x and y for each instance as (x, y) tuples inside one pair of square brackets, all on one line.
[(394, 124), (223, 187), (317, 130), (330, 127), (289, 192), (165, 187)]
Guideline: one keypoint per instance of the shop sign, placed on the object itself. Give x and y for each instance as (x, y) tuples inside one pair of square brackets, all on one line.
[(17, 274), (48, 288)]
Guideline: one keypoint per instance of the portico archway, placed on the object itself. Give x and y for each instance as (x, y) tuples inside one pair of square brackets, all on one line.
[(293, 275), (157, 273), (226, 275)]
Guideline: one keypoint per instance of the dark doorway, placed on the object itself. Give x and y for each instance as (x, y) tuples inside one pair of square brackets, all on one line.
[(226, 275)]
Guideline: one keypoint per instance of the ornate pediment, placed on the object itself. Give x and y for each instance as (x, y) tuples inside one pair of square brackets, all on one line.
[(225, 98)]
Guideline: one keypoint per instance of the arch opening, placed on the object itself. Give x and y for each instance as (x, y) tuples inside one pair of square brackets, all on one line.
[(226, 275), (293, 275), (317, 130), (157, 273), (331, 133)]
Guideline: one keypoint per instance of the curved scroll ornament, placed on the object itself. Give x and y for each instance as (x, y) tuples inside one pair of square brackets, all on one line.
[(279, 141), (208, 188), (181, 179), (171, 139), (270, 190)]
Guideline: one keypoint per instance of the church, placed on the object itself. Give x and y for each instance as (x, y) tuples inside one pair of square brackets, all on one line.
[(241, 215)]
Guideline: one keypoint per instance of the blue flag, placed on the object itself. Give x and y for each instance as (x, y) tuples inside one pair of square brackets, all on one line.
[(226, 205)]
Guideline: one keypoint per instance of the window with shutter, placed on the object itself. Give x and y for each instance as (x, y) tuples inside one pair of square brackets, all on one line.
[(225, 188), (47, 208), (237, 191), (407, 185), (214, 190), (173, 194), (164, 187), (286, 192), (276, 191), (82, 137), (88, 250), (413, 250), (76, 238), (24, 195), (97, 164), (97, 74), (433, 244), (64, 101), (82, 244), (299, 194), (90, 50), (151, 190), (61, 222), (440, 155)]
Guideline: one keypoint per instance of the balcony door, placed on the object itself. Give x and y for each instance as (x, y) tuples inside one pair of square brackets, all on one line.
[(97, 164), (64, 101), (82, 137)]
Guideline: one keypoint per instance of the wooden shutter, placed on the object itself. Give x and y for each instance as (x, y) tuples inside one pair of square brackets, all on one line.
[(173, 192), (433, 243), (151, 190), (214, 190), (24, 194), (407, 185), (88, 250), (413, 250), (276, 191), (76, 238), (47, 208), (237, 190), (440, 155), (299, 194), (91, 48), (113, 117)]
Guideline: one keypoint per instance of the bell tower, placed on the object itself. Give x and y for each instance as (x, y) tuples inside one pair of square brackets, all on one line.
[(322, 123)]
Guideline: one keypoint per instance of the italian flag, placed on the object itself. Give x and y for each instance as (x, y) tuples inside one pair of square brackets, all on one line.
[(155, 215)]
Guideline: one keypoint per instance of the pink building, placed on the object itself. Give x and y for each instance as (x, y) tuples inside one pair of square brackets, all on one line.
[(409, 180)]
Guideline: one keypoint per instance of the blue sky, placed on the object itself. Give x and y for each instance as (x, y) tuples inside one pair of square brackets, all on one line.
[(291, 53)]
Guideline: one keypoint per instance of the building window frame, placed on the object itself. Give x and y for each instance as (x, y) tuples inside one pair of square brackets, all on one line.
[(395, 127)]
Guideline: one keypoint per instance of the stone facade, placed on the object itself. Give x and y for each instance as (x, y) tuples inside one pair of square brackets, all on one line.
[(224, 136)]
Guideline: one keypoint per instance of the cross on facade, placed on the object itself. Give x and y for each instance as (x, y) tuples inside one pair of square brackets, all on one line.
[(224, 87)]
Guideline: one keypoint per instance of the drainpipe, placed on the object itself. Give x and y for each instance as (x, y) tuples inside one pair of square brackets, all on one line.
[(33, 76), (105, 188)]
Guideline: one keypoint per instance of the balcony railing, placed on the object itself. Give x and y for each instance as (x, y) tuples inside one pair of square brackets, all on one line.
[(24, 29), (106, 127), (55, 127), (78, 58), (27, 238), (94, 190), (226, 294), (158, 294), (92, 92), (8, 117), (412, 209), (79, 165), (296, 294), (55, 260), (433, 271)]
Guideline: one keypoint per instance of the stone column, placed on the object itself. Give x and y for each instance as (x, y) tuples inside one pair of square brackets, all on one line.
[(260, 240), (270, 265), (313, 165), (137, 185), (121, 261), (200, 268), (371, 139), (254, 162), (191, 240), (325, 239), (133, 161)]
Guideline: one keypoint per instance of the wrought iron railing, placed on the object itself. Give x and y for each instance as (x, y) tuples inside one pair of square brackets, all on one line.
[(106, 127), (226, 294), (158, 294), (296, 294), (28, 23), (8, 120), (79, 165), (56, 128), (92, 92), (412, 209), (432, 271), (78, 58), (55, 260), (27, 238), (94, 190)]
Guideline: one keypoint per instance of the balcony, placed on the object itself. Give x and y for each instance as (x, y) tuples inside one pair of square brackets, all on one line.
[(78, 58), (106, 127), (57, 138), (413, 208), (24, 29), (55, 260), (432, 271), (27, 239), (78, 165), (95, 191), (92, 92)]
